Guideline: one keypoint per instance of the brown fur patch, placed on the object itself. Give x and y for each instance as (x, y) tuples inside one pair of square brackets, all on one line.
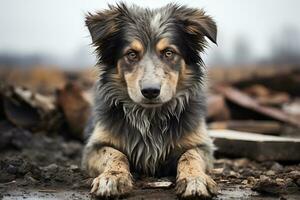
[(111, 160), (195, 138), (131, 78), (163, 44), (173, 79), (100, 134), (119, 70), (135, 45), (184, 75)]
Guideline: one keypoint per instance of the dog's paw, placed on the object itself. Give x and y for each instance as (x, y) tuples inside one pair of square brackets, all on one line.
[(196, 187), (112, 184)]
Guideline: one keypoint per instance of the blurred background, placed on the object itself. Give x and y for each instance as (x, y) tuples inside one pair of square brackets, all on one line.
[(53, 32)]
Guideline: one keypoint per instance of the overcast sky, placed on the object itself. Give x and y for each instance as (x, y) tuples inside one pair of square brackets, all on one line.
[(57, 26)]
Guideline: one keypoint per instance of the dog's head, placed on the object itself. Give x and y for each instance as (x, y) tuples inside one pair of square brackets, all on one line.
[(155, 53)]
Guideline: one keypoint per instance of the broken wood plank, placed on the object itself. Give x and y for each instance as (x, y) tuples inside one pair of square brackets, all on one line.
[(256, 146), (255, 126), (236, 96), (266, 96)]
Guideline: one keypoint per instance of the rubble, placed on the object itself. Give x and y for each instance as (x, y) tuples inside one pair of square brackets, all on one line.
[(217, 108), (76, 108), (253, 114), (245, 101), (265, 96), (29, 110), (256, 146), (261, 126), (13, 137)]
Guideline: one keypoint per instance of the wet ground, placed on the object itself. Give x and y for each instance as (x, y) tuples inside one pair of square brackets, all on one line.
[(41, 166)]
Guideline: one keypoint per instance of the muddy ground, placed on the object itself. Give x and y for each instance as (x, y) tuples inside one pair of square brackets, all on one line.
[(45, 166)]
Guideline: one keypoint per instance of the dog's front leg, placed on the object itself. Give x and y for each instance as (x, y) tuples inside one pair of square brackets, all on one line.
[(192, 180), (111, 169)]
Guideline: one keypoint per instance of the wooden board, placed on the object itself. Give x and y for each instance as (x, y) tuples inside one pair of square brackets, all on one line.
[(256, 146)]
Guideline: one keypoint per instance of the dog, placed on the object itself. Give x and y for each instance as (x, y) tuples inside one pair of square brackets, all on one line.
[(149, 106)]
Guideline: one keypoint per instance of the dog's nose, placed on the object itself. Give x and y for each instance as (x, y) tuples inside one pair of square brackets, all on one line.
[(151, 92)]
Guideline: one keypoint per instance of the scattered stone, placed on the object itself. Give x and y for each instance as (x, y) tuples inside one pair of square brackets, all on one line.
[(251, 180), (268, 186), (13, 137), (242, 162), (71, 149), (270, 173), (295, 174), (53, 168), (217, 171), (280, 181), (74, 168), (276, 167), (233, 174), (264, 178), (29, 178), (298, 182)]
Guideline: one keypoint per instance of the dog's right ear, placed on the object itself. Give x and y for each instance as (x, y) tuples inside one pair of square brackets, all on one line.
[(102, 24), (106, 33)]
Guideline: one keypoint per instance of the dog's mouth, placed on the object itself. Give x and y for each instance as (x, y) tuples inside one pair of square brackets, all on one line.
[(151, 104)]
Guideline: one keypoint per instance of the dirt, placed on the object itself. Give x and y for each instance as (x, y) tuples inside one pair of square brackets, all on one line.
[(47, 166)]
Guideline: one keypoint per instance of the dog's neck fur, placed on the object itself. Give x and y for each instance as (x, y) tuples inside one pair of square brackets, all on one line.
[(149, 130)]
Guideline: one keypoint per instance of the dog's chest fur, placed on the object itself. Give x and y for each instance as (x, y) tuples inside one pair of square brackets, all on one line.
[(149, 137), (149, 143)]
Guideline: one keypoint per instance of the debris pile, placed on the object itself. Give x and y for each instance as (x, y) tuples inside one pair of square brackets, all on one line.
[(253, 114), (255, 101), (66, 111)]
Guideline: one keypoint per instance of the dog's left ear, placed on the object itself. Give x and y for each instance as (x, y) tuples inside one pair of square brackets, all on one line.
[(196, 22)]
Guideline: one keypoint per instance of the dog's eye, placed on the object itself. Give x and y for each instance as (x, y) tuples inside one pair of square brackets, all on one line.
[(132, 56), (168, 53)]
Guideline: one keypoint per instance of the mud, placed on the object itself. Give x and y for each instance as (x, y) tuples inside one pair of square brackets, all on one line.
[(47, 166)]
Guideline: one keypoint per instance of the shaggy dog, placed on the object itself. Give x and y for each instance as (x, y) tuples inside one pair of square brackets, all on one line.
[(149, 104)]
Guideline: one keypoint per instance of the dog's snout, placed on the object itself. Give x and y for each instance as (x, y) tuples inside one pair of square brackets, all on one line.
[(151, 92)]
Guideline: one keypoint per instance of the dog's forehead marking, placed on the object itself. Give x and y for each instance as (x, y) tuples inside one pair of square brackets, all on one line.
[(156, 21)]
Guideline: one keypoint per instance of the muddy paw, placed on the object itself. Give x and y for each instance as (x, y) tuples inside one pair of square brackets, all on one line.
[(112, 184), (194, 187)]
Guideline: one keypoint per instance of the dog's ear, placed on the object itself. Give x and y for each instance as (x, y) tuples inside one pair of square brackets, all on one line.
[(196, 22), (102, 24), (105, 29)]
